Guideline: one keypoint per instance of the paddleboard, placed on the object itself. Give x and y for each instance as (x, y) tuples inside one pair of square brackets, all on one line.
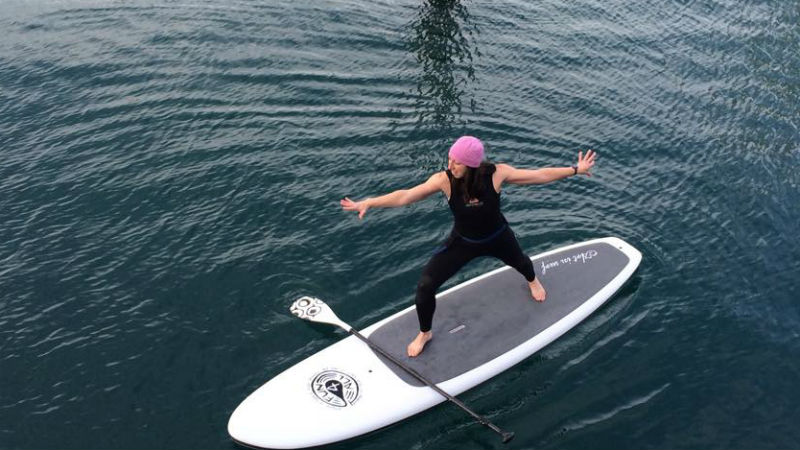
[(481, 328)]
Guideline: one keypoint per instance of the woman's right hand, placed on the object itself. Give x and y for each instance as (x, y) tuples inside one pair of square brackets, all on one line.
[(349, 205)]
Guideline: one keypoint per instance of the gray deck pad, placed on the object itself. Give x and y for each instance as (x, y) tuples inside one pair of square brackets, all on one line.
[(486, 319)]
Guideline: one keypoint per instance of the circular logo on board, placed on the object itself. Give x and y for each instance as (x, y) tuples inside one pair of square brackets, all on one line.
[(335, 388)]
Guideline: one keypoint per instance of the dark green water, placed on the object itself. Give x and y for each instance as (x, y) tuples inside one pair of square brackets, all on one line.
[(170, 175)]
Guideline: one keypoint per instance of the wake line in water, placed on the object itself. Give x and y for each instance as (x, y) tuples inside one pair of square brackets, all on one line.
[(603, 417)]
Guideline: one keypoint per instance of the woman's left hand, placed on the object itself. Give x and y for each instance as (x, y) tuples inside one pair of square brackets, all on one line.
[(585, 163)]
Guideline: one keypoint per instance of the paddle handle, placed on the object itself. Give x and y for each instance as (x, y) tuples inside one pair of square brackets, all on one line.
[(506, 435)]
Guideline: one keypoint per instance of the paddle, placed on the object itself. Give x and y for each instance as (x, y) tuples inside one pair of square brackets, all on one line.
[(315, 310)]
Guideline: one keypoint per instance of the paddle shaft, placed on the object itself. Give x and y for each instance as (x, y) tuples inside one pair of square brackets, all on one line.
[(506, 435)]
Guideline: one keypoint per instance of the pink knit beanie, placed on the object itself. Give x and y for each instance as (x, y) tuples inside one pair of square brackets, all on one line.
[(467, 150)]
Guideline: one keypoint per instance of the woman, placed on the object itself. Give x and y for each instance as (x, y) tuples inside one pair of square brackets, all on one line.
[(472, 188)]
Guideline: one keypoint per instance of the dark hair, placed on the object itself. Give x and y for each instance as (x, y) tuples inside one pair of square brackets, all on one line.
[(472, 182)]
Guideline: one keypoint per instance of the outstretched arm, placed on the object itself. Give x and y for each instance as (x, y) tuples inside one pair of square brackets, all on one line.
[(513, 175), (397, 198)]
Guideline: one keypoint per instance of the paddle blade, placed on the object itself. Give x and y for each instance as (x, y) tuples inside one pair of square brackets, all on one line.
[(315, 310)]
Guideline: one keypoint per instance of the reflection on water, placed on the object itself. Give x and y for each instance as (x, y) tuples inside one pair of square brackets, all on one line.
[(442, 41)]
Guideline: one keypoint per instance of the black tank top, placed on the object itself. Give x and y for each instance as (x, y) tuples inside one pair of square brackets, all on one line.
[(481, 218)]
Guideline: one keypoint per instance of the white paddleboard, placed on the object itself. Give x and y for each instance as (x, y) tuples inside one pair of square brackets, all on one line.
[(481, 328)]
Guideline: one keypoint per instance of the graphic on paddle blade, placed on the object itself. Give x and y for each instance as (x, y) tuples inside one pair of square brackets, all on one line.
[(316, 310)]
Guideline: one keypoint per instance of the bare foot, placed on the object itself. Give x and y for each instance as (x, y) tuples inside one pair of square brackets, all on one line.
[(537, 290), (416, 346)]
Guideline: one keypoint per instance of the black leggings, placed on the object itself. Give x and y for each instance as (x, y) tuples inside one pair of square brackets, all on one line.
[(454, 255)]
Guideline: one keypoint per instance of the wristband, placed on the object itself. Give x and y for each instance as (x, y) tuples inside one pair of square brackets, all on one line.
[(575, 168)]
